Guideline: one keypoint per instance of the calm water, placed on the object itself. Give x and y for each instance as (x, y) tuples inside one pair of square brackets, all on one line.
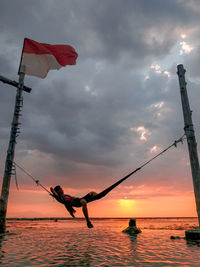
[(71, 243)]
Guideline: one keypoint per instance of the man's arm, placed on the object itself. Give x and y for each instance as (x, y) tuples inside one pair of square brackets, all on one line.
[(55, 195), (70, 209)]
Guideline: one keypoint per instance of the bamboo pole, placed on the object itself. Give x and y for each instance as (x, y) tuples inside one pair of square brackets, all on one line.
[(10, 152), (191, 140)]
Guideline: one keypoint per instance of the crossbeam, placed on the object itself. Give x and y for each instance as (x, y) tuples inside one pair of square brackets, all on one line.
[(14, 83)]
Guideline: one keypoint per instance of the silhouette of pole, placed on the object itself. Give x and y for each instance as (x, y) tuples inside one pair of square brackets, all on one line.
[(190, 134), (10, 152)]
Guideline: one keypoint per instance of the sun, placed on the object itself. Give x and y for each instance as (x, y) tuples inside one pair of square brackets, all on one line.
[(126, 204)]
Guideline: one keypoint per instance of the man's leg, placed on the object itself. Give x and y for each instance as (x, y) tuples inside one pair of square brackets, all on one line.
[(85, 212), (90, 196)]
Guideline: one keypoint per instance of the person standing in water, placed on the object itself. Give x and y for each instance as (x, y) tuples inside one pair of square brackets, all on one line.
[(70, 202)]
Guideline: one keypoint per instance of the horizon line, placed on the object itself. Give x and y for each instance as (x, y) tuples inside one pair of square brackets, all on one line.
[(99, 218)]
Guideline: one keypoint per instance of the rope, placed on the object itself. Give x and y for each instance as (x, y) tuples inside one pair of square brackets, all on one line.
[(36, 181), (174, 144), (15, 173), (103, 193)]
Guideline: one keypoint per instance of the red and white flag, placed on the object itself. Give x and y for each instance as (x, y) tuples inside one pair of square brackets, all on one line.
[(39, 58)]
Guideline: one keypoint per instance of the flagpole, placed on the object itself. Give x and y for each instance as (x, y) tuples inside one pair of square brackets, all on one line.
[(11, 151)]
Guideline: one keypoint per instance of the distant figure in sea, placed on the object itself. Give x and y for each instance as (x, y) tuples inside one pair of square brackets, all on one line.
[(70, 202), (132, 229)]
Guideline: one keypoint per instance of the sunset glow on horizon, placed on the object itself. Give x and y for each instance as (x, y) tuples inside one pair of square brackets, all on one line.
[(160, 207)]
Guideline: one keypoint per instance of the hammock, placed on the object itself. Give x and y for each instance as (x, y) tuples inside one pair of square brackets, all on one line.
[(107, 190)]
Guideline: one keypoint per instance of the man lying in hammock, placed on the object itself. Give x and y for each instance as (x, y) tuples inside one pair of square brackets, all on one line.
[(70, 202)]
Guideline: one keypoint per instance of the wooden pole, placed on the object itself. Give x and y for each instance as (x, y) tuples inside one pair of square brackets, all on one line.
[(10, 152), (190, 134)]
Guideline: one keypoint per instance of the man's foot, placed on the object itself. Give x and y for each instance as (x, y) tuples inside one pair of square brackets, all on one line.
[(89, 225)]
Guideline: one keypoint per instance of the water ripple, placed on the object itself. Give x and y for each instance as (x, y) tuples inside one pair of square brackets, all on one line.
[(70, 243)]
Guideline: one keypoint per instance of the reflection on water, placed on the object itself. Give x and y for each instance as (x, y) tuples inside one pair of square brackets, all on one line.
[(70, 243)]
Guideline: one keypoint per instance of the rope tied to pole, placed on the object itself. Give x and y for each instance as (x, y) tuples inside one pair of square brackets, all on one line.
[(31, 176), (163, 151)]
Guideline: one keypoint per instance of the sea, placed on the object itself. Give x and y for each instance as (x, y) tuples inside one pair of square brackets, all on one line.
[(68, 242)]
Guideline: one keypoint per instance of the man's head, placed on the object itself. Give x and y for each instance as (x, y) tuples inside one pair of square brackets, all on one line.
[(59, 190)]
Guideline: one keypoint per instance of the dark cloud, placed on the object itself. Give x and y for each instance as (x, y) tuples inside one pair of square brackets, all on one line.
[(88, 114)]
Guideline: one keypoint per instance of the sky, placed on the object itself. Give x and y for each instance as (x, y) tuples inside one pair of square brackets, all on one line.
[(86, 126)]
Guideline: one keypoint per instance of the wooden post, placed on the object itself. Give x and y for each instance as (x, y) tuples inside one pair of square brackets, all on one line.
[(190, 134), (10, 152)]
